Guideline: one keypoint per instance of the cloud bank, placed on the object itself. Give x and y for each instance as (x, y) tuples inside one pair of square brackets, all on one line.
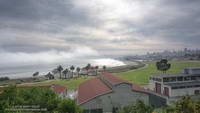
[(45, 58), (47, 30)]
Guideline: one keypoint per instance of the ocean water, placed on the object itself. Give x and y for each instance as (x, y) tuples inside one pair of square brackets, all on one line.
[(27, 70)]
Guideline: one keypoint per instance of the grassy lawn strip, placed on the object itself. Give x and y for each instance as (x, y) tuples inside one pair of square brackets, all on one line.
[(70, 84), (141, 76)]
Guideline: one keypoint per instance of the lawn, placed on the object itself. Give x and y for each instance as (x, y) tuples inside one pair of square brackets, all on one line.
[(70, 84), (141, 76)]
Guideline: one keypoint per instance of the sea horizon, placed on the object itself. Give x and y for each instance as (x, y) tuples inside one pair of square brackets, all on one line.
[(27, 70)]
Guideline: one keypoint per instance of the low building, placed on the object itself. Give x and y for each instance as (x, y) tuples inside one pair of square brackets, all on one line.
[(176, 85), (106, 93), (49, 76), (91, 71)]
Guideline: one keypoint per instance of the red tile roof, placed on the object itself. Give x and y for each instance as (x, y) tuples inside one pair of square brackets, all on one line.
[(117, 80), (139, 88), (56, 88), (112, 79), (95, 87), (90, 89)]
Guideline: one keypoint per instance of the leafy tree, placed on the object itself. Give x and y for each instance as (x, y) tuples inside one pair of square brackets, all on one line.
[(197, 106), (185, 105), (59, 69), (88, 67), (78, 69), (43, 97), (72, 69), (163, 65), (104, 68), (96, 67), (35, 74), (4, 78), (9, 94), (139, 107), (7, 98), (65, 72), (68, 106)]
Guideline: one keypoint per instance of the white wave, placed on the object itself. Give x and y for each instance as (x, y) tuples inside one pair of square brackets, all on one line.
[(107, 62)]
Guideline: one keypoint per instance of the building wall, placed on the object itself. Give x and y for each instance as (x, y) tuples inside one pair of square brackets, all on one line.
[(183, 92), (156, 100), (153, 83), (121, 96)]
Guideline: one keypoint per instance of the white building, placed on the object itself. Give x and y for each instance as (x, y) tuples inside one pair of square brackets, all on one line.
[(177, 85)]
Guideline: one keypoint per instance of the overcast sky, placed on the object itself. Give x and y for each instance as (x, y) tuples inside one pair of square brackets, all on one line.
[(105, 27)]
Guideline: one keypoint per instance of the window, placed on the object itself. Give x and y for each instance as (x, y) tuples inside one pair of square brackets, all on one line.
[(180, 78), (197, 77), (181, 87), (172, 79), (186, 78), (193, 78), (189, 86), (197, 92), (158, 79), (174, 87), (165, 79)]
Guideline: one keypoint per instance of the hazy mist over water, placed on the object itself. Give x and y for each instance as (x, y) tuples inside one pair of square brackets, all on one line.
[(15, 65)]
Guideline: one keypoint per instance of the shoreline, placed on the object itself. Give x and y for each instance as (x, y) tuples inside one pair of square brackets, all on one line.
[(129, 65)]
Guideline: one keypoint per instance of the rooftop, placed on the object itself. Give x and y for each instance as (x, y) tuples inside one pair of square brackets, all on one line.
[(193, 68), (169, 75), (183, 84), (91, 88), (191, 71), (112, 79), (96, 87)]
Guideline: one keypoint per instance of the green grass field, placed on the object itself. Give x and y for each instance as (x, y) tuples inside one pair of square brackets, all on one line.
[(141, 76), (70, 84)]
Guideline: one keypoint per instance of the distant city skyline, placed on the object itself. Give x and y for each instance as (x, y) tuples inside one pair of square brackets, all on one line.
[(53, 30)]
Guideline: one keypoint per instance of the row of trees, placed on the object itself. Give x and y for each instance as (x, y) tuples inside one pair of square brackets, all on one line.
[(42, 97), (183, 105), (139, 107), (4, 78), (46, 98), (71, 69)]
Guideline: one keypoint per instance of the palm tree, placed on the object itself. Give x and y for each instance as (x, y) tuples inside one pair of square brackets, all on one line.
[(104, 68), (72, 69), (78, 69), (35, 74), (59, 69), (65, 72), (88, 67), (96, 67)]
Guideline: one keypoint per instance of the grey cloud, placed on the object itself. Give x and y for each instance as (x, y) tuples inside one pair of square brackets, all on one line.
[(42, 25), (172, 21)]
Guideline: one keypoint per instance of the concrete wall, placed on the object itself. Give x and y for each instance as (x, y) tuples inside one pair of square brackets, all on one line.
[(121, 96), (183, 92), (194, 71), (156, 100)]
